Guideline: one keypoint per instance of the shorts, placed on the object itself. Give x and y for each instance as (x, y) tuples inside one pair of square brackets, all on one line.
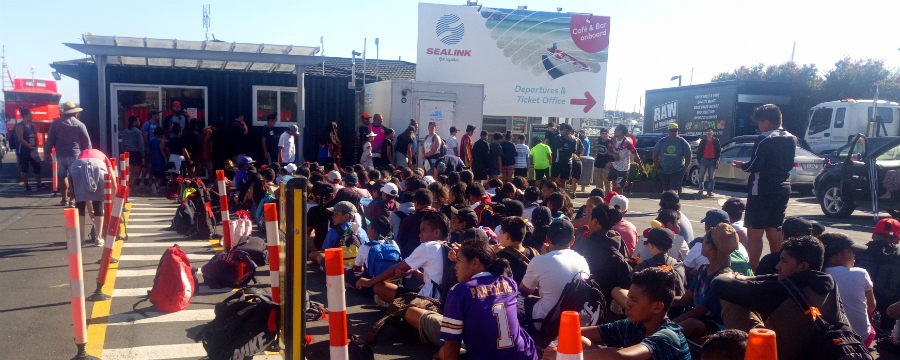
[(562, 170), (62, 166), (523, 172), (480, 173), (541, 174), (765, 211), (96, 205), (135, 158), (159, 174), (576, 169), (618, 178), (404, 290), (430, 328), (26, 162)]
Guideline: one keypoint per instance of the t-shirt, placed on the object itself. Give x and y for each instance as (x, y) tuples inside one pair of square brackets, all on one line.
[(567, 147), (176, 146), (509, 153), (603, 156), (332, 237), (270, 136), (428, 257), (286, 143), (379, 136), (703, 294), (157, 163), (549, 273), (480, 156), (679, 250), (482, 313), (149, 127), (628, 233), (623, 149), (495, 152), (667, 343), (671, 154), (540, 154), (852, 285), (522, 156), (452, 145), (587, 145)]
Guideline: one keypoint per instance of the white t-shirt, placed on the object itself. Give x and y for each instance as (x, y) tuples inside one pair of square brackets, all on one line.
[(428, 257), (549, 273), (852, 284), (362, 255), (679, 250), (452, 145), (622, 148), (286, 143)]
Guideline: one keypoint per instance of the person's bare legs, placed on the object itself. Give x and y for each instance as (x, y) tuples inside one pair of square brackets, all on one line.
[(693, 328), (412, 316), (775, 239), (386, 292), (754, 248)]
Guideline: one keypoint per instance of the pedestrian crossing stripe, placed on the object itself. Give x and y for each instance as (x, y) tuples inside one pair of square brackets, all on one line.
[(149, 226), (166, 244), (147, 214), (155, 258), (133, 318), (161, 219), (201, 290), (168, 351)]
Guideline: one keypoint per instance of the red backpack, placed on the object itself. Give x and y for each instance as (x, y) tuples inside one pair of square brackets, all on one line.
[(174, 284)]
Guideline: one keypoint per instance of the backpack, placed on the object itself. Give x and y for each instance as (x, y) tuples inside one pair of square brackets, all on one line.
[(581, 295), (833, 341), (448, 276), (349, 242), (255, 247), (232, 268), (174, 285), (245, 324), (381, 256), (185, 219), (204, 227), (398, 307)]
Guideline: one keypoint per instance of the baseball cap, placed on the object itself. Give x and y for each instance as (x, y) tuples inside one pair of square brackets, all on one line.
[(660, 236), (390, 189), (465, 214), (176, 103), (473, 233), (428, 179), (715, 217), (796, 226), (246, 160), (344, 207), (725, 238), (452, 129), (290, 168), (366, 115), (561, 229), (294, 128), (334, 175), (889, 226), (620, 202), (351, 179), (672, 126), (371, 134)]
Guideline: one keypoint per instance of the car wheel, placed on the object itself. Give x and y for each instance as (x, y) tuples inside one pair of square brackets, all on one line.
[(694, 177), (833, 202)]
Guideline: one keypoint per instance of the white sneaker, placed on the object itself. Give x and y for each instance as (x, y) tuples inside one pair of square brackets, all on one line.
[(97, 243)]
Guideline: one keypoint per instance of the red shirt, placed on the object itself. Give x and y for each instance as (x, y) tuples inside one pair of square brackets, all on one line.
[(709, 151)]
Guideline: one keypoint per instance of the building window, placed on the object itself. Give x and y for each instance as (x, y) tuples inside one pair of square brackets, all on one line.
[(274, 100)]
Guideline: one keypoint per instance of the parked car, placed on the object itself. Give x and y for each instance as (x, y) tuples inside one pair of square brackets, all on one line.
[(646, 142), (806, 167), (833, 124), (846, 185)]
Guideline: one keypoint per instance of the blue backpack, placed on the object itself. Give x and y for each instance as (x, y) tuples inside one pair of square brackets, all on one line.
[(381, 257)]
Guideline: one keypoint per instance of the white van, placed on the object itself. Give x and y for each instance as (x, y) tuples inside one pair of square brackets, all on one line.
[(832, 124)]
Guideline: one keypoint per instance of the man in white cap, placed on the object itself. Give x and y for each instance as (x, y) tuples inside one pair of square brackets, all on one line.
[(385, 204), (69, 136), (287, 152), (626, 229), (334, 178)]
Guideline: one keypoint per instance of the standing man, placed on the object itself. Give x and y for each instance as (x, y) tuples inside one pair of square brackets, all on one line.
[(672, 156), (362, 133), (509, 157), (769, 186), (286, 149), (621, 150), (148, 128), (562, 166), (452, 142), (495, 161), (205, 157), (26, 152), (710, 152), (481, 157), (522, 151), (584, 142), (69, 136), (541, 157), (465, 146), (270, 138), (378, 142), (177, 117), (603, 162)]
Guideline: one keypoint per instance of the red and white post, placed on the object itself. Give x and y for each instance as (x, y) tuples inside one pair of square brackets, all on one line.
[(55, 169), (127, 167), (76, 283), (107, 199), (223, 207), (337, 304), (271, 210), (112, 229), (569, 347)]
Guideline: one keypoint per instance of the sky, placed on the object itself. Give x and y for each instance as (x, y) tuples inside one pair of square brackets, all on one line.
[(650, 40)]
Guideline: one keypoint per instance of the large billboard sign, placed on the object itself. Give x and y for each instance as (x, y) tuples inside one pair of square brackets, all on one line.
[(531, 63)]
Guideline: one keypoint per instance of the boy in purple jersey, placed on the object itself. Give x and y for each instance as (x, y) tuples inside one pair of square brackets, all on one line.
[(481, 309)]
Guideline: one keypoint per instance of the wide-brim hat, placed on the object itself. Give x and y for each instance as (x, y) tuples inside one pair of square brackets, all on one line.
[(69, 107)]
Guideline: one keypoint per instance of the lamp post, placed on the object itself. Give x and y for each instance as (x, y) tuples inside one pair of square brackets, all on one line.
[(676, 77)]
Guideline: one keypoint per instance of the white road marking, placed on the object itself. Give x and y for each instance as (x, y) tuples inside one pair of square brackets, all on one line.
[(135, 273), (157, 219), (162, 244), (203, 290), (198, 257), (147, 214), (154, 234), (156, 352), (133, 318)]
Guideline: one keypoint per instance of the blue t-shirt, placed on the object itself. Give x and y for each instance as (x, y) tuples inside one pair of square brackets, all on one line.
[(332, 237), (587, 146), (157, 163), (671, 154), (667, 343), (482, 313), (149, 127), (703, 294)]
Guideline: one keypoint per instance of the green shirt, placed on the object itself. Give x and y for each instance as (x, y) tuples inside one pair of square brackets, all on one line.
[(540, 153)]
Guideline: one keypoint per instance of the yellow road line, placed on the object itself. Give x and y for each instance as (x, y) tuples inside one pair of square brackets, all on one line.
[(216, 245), (96, 330)]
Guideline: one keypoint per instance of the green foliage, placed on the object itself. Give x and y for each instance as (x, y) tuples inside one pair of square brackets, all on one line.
[(634, 174)]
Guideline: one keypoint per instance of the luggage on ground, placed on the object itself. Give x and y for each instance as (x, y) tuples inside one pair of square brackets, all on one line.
[(232, 268), (245, 324), (174, 285)]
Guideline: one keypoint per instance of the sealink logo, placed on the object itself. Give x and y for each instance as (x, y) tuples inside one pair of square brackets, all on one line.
[(449, 30)]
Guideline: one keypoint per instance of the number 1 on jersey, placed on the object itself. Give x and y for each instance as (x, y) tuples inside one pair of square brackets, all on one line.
[(505, 340)]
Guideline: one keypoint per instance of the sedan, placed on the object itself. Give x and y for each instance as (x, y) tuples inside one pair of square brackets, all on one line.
[(803, 174)]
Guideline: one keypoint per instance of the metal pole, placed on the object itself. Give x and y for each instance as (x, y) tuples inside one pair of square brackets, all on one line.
[(101, 106), (293, 293), (301, 112)]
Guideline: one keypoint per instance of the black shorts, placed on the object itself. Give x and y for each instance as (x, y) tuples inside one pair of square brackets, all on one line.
[(765, 211), (135, 158), (96, 205), (576, 169), (562, 170), (541, 174), (523, 172), (26, 162), (617, 177)]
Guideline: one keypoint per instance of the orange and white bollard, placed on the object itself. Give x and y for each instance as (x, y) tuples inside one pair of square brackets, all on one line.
[(271, 210), (761, 345), (107, 198), (76, 283), (112, 229), (55, 170), (127, 167), (223, 207), (337, 304), (569, 347), (122, 173)]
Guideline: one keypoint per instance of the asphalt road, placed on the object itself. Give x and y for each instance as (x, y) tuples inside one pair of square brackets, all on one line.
[(36, 311)]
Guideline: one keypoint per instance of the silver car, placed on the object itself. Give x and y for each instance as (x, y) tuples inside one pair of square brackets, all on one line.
[(803, 174)]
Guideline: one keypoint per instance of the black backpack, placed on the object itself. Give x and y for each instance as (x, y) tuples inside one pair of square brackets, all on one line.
[(245, 324), (256, 248), (232, 269), (581, 295), (185, 220), (448, 277), (203, 220), (833, 341)]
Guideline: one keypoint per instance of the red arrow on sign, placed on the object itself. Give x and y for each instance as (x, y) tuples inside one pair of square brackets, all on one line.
[(588, 101)]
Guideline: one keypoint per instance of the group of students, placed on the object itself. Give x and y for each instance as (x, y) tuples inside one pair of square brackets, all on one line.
[(514, 245)]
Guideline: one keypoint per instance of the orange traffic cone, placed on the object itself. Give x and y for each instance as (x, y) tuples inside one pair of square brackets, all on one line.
[(569, 347), (761, 345)]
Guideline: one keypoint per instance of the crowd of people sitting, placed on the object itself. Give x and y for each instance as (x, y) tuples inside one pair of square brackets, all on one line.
[(499, 254)]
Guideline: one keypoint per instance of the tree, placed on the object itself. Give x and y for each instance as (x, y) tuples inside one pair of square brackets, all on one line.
[(855, 78)]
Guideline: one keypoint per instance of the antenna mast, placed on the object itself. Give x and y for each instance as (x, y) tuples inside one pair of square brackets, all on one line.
[(206, 18)]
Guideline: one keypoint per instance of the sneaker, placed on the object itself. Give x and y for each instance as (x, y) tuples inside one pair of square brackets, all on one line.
[(98, 243), (71, 204), (709, 193), (64, 202)]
